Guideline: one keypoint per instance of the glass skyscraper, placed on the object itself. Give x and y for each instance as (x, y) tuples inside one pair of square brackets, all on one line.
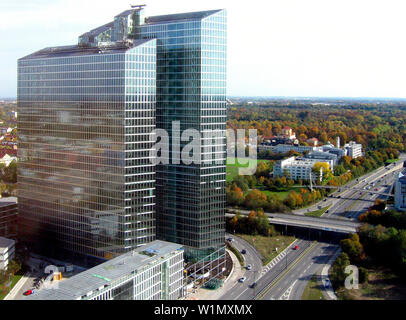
[(191, 90), (86, 184), (86, 179)]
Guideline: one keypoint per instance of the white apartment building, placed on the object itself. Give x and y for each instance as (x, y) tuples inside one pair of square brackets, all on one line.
[(353, 149), (297, 168), (6, 252)]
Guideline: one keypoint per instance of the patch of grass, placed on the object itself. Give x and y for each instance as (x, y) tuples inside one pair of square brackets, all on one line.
[(282, 195), (382, 284), (237, 254), (231, 173), (266, 245), (14, 280), (313, 290), (232, 168), (317, 213)]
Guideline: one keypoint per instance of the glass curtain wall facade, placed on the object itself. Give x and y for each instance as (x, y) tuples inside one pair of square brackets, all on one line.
[(191, 90), (86, 185)]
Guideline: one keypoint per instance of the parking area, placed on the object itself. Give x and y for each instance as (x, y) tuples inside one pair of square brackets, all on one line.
[(41, 274)]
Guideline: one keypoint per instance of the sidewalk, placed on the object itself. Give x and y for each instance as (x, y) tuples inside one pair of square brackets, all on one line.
[(329, 292), (11, 295), (205, 294)]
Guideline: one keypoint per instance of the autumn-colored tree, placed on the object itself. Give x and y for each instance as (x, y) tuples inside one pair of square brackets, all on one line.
[(255, 199), (291, 200), (234, 195), (353, 248), (252, 215)]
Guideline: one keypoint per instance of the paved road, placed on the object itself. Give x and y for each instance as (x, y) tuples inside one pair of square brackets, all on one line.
[(355, 203), (243, 291), (293, 284), (251, 257)]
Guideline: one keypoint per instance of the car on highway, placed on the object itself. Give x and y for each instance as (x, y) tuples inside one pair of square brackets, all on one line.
[(295, 247), (249, 267), (243, 251), (253, 285), (242, 279)]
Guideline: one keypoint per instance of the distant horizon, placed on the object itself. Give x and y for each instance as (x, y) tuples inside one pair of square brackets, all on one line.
[(290, 97), (318, 97)]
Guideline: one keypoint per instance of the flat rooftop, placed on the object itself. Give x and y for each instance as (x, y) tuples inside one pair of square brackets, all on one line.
[(108, 272), (7, 201), (75, 50), (181, 16), (5, 243)]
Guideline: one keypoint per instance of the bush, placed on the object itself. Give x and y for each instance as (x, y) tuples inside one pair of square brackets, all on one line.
[(213, 284), (363, 275)]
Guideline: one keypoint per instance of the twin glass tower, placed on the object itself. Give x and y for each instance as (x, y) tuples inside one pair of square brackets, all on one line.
[(88, 186)]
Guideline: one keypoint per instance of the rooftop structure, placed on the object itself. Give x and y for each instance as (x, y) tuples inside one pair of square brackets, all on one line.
[(320, 155), (150, 272)]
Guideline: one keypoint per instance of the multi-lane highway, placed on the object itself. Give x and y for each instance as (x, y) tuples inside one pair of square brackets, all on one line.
[(292, 285), (352, 203), (290, 276), (245, 291), (349, 206)]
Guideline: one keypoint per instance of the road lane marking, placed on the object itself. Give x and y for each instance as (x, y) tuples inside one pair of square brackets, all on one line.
[(281, 276)]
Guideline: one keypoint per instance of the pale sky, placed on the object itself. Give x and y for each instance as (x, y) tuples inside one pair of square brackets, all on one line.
[(348, 48)]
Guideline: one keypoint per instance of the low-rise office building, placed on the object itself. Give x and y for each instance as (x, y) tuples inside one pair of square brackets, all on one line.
[(297, 169), (150, 272), (320, 155), (339, 152), (6, 252), (284, 148)]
